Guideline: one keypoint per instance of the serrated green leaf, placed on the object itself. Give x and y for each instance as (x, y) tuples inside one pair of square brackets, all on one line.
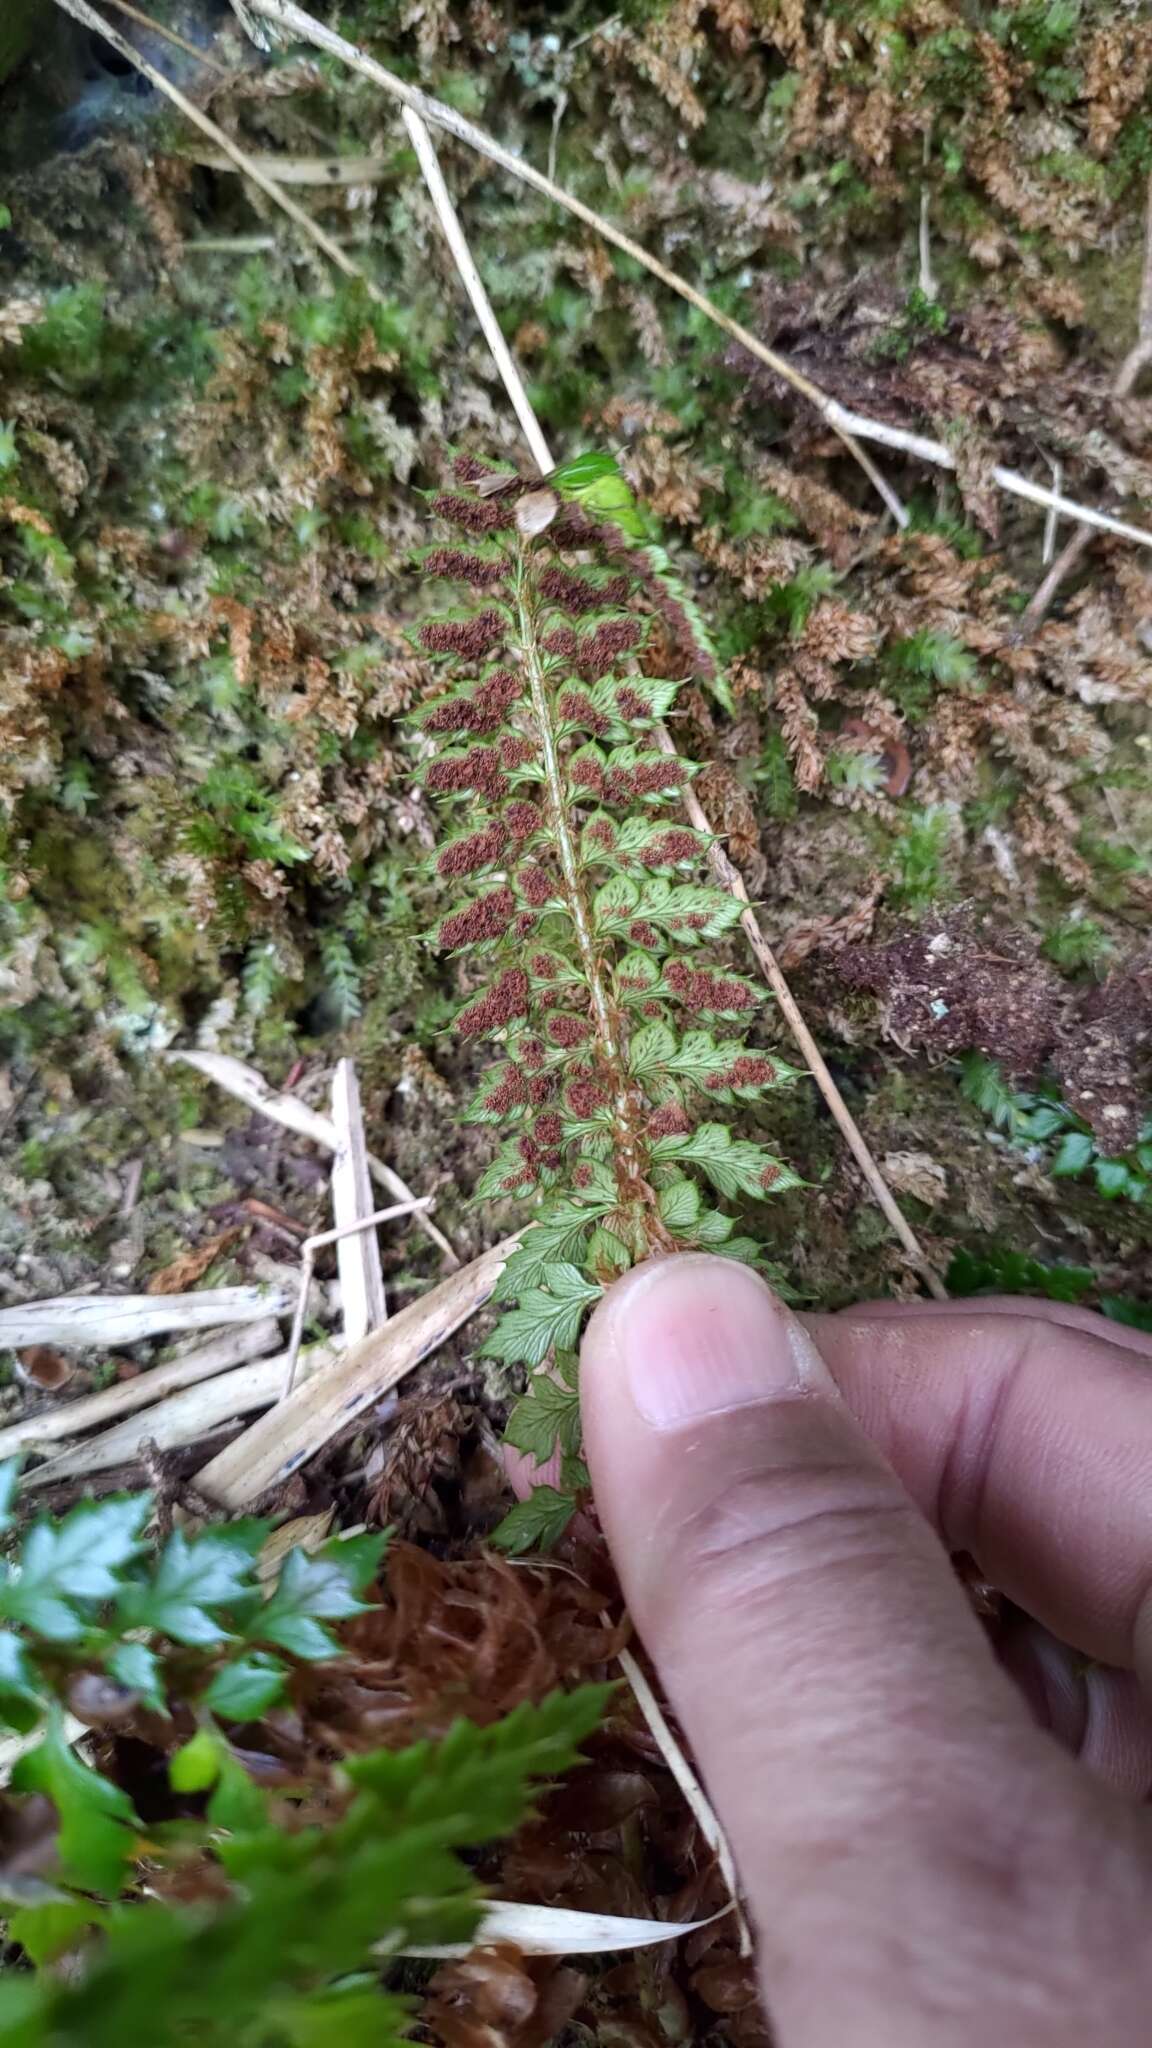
[(1073, 1154), (247, 1686), (77, 1560), (547, 1415), (308, 1591), (560, 1234), (537, 1523), (196, 1764), (507, 1175), (21, 1705), (605, 1249), (140, 1669), (735, 1166), (680, 1204), (545, 1316), (1113, 1178), (9, 1483), (192, 1577), (97, 1821), (650, 1049)]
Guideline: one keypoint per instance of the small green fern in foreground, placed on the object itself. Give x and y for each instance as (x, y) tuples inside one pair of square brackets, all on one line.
[(291, 1916)]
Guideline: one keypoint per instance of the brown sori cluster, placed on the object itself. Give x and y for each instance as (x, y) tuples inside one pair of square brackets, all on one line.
[(481, 571), (473, 638), (475, 515), (500, 1004), (488, 918), (700, 989), (751, 1070), (478, 769), (576, 595), (479, 850), (669, 847)]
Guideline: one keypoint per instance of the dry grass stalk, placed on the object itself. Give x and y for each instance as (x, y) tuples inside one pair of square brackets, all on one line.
[(201, 1362), (170, 35), (733, 881), (362, 1303), (281, 1443), (250, 1088)]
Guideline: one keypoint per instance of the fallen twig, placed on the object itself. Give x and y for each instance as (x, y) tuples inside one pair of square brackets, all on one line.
[(182, 1419), (253, 1090), (278, 1445), (76, 1320), (695, 1797), (201, 1362), (726, 874), (362, 1303)]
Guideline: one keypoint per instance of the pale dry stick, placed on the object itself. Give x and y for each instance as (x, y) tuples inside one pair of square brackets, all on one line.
[(694, 1795), (1136, 360), (362, 1303), (305, 25), (308, 1251), (185, 1418), (473, 285), (331, 171), (851, 427), (81, 11), (726, 874), (1052, 521), (202, 1362), (77, 1320), (282, 1442), (249, 1087)]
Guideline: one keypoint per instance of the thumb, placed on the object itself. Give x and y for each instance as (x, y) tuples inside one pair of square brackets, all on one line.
[(893, 1812)]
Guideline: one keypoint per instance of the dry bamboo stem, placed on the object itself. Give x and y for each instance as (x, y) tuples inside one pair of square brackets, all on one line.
[(726, 874)]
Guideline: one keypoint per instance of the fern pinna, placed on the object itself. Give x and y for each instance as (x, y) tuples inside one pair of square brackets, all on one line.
[(586, 907)]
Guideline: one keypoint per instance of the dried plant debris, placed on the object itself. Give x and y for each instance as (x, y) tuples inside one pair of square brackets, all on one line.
[(961, 983)]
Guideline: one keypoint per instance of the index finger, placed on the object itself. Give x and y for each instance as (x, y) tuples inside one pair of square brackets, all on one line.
[(1026, 1438)]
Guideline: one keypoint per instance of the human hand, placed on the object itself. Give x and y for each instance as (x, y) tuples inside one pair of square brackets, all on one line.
[(925, 1865)]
